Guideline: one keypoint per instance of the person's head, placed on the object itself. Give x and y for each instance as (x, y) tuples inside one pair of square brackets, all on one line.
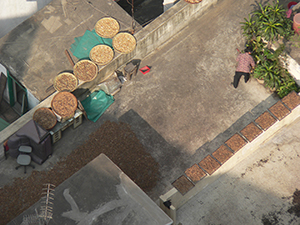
[(248, 50)]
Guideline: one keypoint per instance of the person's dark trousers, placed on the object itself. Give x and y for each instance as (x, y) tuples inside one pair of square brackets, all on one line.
[(237, 78)]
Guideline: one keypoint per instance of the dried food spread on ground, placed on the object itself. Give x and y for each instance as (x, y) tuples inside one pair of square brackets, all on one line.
[(85, 70), (107, 27), (45, 118), (64, 104), (124, 42), (101, 54), (117, 141), (65, 82)]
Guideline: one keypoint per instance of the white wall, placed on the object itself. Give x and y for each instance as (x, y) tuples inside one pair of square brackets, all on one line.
[(32, 101), (169, 3), (4, 71), (14, 12)]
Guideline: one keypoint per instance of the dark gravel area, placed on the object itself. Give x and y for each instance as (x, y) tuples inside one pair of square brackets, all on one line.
[(116, 140)]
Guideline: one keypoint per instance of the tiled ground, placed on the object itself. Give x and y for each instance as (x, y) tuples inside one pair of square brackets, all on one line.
[(222, 154), (279, 110), (236, 142), (265, 120), (251, 131)]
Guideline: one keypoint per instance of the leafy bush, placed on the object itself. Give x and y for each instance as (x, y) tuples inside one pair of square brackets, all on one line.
[(267, 24), (288, 85), (269, 71)]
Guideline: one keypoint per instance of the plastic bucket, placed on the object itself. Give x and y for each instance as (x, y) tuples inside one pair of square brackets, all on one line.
[(296, 23), (291, 4)]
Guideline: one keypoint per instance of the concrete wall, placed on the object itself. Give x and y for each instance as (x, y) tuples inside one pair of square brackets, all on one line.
[(168, 24), (148, 39)]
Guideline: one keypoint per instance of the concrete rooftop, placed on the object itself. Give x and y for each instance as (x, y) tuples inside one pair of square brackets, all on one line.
[(28, 50), (185, 108)]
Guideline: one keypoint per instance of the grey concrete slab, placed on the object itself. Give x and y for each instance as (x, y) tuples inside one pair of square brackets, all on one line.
[(187, 97), (100, 193), (259, 190), (189, 83)]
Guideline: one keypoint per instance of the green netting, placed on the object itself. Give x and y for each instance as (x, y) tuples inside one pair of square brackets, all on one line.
[(96, 104), (82, 46)]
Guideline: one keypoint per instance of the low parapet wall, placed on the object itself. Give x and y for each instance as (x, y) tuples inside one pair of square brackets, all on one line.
[(148, 39), (284, 112)]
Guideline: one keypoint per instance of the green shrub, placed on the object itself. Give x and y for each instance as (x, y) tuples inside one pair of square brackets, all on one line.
[(267, 24), (288, 85)]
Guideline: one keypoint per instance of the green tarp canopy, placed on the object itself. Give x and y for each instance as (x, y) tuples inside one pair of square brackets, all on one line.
[(82, 46), (96, 104)]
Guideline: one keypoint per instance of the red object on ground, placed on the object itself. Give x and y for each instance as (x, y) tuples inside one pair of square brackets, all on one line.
[(145, 69), (6, 148), (291, 4)]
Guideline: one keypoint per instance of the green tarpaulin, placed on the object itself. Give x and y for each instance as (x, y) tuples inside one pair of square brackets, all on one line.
[(96, 104), (82, 46), (3, 124)]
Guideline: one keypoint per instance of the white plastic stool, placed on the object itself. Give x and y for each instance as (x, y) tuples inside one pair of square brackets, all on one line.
[(25, 149)]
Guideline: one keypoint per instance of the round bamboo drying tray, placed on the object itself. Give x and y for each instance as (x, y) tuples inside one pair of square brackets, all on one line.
[(193, 1), (101, 54), (107, 27), (85, 70), (45, 118), (64, 104), (124, 42), (65, 82)]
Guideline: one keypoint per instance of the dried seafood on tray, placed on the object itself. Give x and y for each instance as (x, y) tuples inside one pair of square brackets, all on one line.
[(65, 82), (45, 118), (101, 54), (124, 42), (64, 104), (107, 27), (85, 70)]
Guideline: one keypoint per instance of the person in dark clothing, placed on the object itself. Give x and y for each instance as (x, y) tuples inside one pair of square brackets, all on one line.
[(245, 63)]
